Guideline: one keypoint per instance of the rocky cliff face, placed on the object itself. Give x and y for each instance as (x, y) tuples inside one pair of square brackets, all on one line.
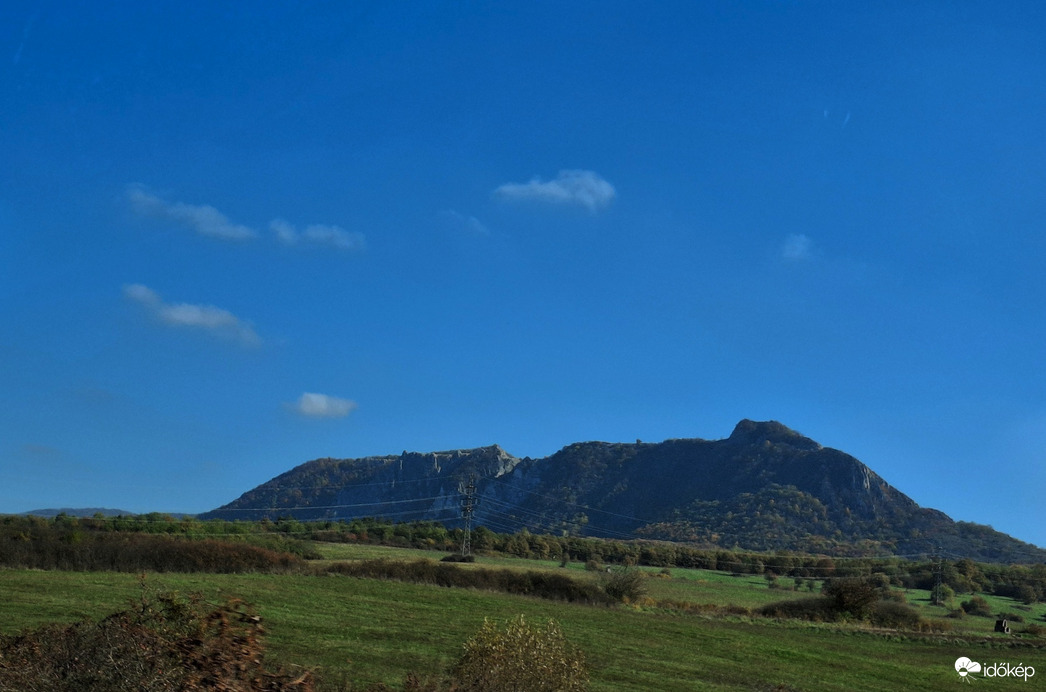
[(763, 487), (411, 486)]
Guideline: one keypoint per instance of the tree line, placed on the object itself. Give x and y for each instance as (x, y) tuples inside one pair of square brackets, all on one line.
[(106, 543)]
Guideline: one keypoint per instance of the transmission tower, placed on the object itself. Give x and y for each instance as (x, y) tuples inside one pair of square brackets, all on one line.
[(468, 506), (938, 568)]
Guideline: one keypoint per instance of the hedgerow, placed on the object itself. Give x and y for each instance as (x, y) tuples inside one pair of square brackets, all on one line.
[(541, 584)]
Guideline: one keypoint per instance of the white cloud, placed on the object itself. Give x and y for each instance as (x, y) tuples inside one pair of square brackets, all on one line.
[(584, 188), (142, 294), (797, 247), (283, 231), (313, 405), (318, 234), (206, 317), (334, 236), (469, 224), (204, 219)]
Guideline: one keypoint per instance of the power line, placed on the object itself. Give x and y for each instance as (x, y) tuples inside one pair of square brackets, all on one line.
[(361, 504), (468, 506)]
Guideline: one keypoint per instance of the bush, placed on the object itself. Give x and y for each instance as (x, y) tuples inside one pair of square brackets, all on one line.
[(977, 606), (1027, 594), (813, 609), (935, 626), (161, 645), (852, 595), (625, 585), (458, 557), (894, 614), (520, 658), (1034, 630), (941, 594)]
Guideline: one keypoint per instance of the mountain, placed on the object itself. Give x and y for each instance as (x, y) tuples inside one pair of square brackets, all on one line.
[(765, 487)]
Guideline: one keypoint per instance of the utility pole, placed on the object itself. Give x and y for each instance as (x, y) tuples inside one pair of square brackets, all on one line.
[(468, 506)]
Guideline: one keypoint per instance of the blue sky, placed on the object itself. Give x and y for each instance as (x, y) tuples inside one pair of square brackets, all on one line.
[(238, 236)]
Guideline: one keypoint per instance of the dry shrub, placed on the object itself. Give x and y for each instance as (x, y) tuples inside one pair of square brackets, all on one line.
[(625, 585), (935, 626), (161, 645), (1034, 630), (521, 658)]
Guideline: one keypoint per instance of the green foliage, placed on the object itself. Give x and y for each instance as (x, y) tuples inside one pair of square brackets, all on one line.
[(542, 584), (458, 557), (942, 594), (866, 598), (977, 606), (853, 596), (521, 658), (159, 542), (889, 613), (1027, 594), (90, 544), (163, 644), (812, 609)]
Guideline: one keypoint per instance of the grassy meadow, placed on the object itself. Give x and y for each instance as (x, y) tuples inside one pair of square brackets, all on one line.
[(355, 632)]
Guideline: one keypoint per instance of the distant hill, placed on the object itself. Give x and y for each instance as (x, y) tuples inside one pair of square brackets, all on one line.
[(766, 487), (78, 512), (88, 512)]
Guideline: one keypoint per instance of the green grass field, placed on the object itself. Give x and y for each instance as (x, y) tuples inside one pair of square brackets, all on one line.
[(364, 631)]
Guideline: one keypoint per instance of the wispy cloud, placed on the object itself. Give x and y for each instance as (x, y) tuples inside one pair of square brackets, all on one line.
[(25, 37), (39, 451), (318, 234), (464, 222), (797, 247), (208, 318), (312, 405), (202, 218), (584, 188)]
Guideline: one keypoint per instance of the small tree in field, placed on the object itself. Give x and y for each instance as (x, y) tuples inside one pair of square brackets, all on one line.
[(852, 595), (941, 594), (521, 658)]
